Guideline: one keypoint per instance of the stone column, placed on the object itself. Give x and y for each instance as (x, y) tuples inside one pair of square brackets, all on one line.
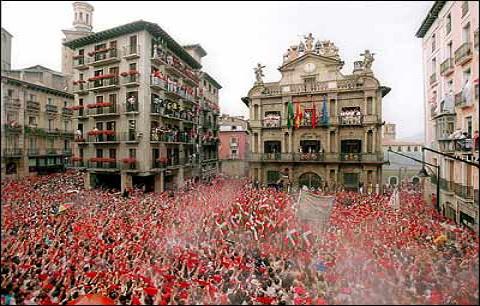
[(259, 143), (159, 182), (179, 179), (364, 146), (87, 177), (290, 142), (125, 181)]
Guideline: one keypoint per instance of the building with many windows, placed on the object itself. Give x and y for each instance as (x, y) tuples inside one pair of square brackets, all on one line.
[(399, 168), (6, 50), (450, 64), (145, 114), (317, 126), (234, 145), (37, 130)]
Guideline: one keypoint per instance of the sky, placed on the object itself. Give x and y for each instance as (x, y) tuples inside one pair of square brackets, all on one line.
[(238, 35)]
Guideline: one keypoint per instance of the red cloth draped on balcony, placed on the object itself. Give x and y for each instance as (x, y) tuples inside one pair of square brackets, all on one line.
[(129, 160), (102, 159), (100, 104)]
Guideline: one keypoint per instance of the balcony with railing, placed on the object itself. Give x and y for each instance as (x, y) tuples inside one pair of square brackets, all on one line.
[(80, 62), (80, 87), (13, 128), (131, 51), (159, 163), (446, 185), (51, 108), (104, 57), (463, 145), (461, 101), (12, 152), (129, 164), (67, 152), (433, 78), (52, 151), (130, 79), (78, 162), (104, 163), (105, 84), (12, 101), (33, 106), (272, 121), (447, 67), (33, 152), (355, 119), (103, 136), (309, 157), (158, 83), (131, 136), (463, 53), (67, 111), (102, 109), (463, 191)]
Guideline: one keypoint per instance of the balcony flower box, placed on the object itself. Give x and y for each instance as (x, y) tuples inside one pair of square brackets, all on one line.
[(108, 132), (101, 77), (131, 72), (75, 107), (76, 158), (101, 104), (162, 160), (92, 53), (129, 160), (102, 159), (94, 133)]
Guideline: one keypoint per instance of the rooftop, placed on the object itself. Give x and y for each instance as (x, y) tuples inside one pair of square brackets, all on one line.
[(430, 18), (132, 27), (212, 80), (38, 87)]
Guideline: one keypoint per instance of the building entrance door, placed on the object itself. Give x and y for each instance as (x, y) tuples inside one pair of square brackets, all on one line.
[(350, 181)]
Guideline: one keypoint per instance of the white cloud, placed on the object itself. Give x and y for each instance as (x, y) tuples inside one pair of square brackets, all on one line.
[(237, 35)]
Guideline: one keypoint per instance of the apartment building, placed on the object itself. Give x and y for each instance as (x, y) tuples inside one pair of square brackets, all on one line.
[(37, 129), (234, 145), (400, 169), (450, 64), (317, 126), (6, 51), (143, 113)]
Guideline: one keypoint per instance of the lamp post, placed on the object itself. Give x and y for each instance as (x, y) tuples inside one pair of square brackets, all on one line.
[(424, 173)]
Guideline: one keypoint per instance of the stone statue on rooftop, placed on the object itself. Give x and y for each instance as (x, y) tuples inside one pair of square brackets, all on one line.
[(259, 73), (309, 42), (367, 59)]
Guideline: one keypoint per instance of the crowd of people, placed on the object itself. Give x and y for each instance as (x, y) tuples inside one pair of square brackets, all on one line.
[(226, 242), (351, 116)]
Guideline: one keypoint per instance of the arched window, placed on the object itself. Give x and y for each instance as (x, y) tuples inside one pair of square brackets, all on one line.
[(309, 179)]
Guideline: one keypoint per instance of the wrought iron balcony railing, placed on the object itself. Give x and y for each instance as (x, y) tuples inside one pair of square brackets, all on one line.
[(447, 66), (463, 53), (51, 108), (12, 152)]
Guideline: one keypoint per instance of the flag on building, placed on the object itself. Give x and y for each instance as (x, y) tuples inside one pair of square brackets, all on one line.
[(314, 116), (298, 116), (324, 118), (291, 115)]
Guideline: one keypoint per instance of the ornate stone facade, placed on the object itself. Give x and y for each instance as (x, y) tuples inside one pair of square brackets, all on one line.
[(342, 146)]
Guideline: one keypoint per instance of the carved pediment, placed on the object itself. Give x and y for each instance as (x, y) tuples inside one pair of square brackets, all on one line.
[(310, 57)]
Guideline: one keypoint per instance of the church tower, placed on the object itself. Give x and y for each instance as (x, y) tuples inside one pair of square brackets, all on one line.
[(82, 26)]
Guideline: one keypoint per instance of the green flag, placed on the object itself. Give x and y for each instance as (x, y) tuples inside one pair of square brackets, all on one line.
[(290, 115)]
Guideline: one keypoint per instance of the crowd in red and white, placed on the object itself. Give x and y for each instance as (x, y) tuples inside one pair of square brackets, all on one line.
[(226, 243)]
